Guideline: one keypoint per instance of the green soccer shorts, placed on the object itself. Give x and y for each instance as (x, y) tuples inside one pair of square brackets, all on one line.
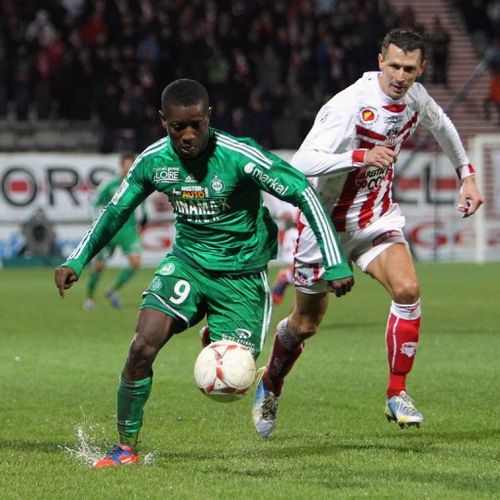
[(237, 307)]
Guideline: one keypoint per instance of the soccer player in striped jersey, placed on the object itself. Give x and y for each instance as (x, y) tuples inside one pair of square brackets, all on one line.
[(352, 150), (225, 238)]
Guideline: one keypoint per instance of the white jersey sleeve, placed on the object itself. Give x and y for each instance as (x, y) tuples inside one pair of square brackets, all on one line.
[(327, 147), (438, 123)]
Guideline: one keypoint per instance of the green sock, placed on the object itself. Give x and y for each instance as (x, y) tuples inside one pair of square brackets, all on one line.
[(130, 401), (92, 283), (125, 274)]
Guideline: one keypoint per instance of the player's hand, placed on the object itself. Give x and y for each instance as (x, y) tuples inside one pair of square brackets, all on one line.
[(380, 156), (341, 286), (470, 197), (64, 278)]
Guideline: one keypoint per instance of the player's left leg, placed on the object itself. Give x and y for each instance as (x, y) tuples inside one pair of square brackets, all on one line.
[(311, 300), (395, 270), (288, 344)]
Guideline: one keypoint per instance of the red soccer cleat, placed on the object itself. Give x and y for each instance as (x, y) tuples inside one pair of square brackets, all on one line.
[(280, 285), (119, 454)]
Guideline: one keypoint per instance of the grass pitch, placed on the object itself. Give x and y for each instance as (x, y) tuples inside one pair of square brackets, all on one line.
[(59, 367)]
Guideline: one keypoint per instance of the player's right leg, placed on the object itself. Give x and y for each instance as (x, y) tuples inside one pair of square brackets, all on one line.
[(288, 345), (153, 330), (162, 313)]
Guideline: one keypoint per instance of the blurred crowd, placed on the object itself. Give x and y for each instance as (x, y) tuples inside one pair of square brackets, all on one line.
[(267, 65), (482, 18)]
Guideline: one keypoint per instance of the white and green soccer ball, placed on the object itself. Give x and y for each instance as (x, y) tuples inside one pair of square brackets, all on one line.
[(225, 370)]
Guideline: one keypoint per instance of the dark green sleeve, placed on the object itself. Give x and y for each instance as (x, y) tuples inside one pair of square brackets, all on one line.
[(280, 179), (132, 191)]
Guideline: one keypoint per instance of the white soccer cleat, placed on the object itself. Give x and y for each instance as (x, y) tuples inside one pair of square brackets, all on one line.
[(114, 298), (88, 304), (401, 410), (265, 408)]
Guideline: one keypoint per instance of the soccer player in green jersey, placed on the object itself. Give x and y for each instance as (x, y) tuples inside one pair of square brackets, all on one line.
[(127, 239), (225, 238)]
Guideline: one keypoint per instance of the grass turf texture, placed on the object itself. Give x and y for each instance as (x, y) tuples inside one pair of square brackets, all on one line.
[(59, 367)]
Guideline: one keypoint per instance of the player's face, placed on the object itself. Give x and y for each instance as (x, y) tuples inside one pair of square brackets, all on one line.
[(187, 127), (399, 70)]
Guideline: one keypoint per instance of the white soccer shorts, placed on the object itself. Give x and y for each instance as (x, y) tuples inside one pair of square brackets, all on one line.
[(360, 246)]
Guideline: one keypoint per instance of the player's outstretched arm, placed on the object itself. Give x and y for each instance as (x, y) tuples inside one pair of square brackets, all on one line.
[(470, 197), (64, 278), (340, 286)]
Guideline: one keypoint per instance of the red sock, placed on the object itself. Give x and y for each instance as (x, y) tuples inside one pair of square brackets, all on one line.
[(402, 334), (280, 362)]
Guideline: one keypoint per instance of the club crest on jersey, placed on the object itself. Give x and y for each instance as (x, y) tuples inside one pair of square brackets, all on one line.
[(368, 115), (156, 284), (217, 185), (167, 269)]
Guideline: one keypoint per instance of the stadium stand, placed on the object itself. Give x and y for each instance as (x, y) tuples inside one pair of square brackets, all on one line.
[(87, 74)]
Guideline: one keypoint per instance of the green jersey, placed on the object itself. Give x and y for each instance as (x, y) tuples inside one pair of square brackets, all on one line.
[(221, 222), (103, 196)]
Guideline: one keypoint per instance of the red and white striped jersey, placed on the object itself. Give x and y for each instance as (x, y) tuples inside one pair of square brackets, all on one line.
[(355, 120)]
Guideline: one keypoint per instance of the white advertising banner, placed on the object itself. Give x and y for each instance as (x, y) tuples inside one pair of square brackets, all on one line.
[(61, 184)]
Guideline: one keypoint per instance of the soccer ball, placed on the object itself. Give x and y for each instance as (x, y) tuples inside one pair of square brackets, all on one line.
[(224, 370)]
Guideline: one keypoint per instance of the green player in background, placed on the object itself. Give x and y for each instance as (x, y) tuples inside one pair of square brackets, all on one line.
[(127, 239), (225, 238)]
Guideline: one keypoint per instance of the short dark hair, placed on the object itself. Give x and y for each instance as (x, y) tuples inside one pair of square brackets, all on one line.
[(406, 40), (184, 92)]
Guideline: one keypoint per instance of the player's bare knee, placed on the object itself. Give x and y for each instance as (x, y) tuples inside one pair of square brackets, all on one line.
[(142, 352), (407, 293)]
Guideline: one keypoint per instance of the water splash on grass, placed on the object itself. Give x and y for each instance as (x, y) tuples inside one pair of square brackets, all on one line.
[(86, 450), (148, 459)]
